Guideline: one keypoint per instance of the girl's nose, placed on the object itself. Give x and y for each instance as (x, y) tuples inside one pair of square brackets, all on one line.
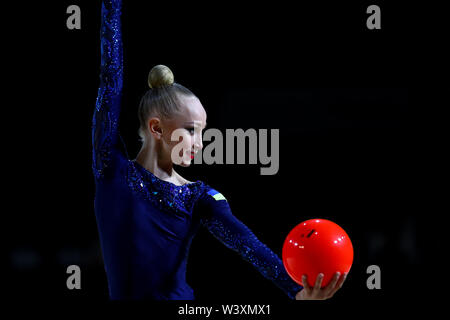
[(198, 143)]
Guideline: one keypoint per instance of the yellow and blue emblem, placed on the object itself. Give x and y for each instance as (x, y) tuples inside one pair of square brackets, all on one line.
[(216, 195)]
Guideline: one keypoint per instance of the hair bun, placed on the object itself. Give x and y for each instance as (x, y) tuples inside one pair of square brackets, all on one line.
[(160, 76)]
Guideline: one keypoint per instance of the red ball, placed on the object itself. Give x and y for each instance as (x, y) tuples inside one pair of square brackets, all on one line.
[(317, 246)]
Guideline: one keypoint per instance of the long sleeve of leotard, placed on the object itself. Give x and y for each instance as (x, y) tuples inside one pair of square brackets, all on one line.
[(219, 220), (105, 136)]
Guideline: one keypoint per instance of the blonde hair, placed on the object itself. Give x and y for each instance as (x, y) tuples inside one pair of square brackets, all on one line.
[(162, 99)]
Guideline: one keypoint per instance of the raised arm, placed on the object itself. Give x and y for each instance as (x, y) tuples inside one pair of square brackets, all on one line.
[(105, 137), (220, 222)]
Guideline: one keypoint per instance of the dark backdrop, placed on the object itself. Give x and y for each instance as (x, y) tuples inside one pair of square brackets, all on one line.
[(339, 94)]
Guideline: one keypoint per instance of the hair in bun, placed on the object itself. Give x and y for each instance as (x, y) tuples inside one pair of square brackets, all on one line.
[(162, 99), (160, 76)]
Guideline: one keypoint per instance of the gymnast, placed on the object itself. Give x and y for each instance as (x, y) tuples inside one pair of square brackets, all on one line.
[(147, 214)]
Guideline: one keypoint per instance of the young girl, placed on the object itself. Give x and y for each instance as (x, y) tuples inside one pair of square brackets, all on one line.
[(147, 214)]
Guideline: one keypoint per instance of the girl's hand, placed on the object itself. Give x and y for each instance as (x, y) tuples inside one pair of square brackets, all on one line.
[(317, 293)]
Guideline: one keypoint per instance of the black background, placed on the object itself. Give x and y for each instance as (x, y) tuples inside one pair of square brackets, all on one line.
[(340, 94)]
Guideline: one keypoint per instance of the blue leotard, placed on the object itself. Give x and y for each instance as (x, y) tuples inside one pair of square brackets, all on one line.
[(146, 224)]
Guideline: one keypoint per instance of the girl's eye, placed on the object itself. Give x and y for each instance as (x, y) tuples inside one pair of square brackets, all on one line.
[(191, 130)]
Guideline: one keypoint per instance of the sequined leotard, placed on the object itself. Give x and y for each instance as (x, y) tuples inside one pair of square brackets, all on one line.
[(146, 224)]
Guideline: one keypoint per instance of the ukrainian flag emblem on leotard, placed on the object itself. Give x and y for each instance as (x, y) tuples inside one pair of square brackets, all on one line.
[(216, 195)]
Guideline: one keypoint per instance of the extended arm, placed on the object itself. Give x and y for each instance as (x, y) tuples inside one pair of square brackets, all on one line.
[(235, 235), (106, 115)]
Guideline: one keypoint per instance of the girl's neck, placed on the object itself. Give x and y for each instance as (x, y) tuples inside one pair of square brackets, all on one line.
[(148, 158)]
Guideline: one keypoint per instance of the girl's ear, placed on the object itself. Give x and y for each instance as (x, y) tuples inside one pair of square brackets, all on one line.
[(154, 126)]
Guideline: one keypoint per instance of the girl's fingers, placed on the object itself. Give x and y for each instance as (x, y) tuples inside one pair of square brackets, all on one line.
[(318, 283), (305, 284), (340, 282), (332, 285)]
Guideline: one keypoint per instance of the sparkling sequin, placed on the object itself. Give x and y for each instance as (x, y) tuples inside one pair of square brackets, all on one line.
[(106, 114), (253, 251), (167, 196)]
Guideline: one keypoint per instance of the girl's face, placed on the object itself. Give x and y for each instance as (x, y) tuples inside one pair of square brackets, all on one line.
[(183, 135)]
